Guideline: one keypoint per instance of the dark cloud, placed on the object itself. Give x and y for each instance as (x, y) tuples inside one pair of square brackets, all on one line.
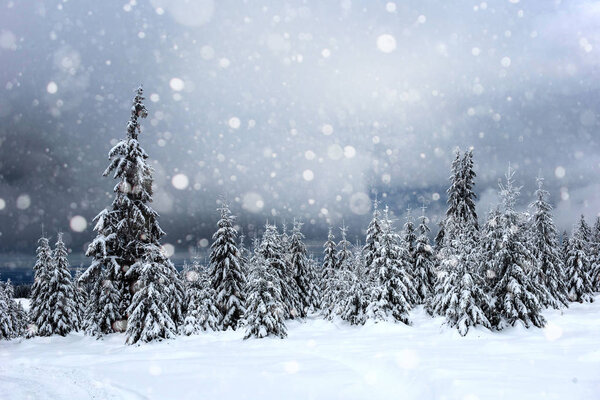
[(292, 108)]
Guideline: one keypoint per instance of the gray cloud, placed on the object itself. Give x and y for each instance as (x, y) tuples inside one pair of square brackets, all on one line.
[(291, 109)]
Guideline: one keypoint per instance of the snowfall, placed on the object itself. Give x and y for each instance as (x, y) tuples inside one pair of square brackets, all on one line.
[(319, 360)]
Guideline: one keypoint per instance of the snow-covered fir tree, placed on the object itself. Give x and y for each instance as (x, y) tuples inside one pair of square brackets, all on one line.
[(338, 289), (60, 301), (354, 299), (424, 273), (38, 315), (202, 312), (585, 231), (549, 265), (245, 255), (314, 277), (374, 231), (265, 312), (190, 275), (17, 312), (150, 315), (329, 276), (329, 257), (284, 238), (126, 231), (564, 246), (271, 251), (13, 318), (393, 293), (7, 330), (460, 217), (516, 295), (302, 270), (577, 269), (80, 297), (409, 238), (227, 275), (489, 244), (461, 200), (595, 255), (101, 311), (595, 237), (460, 297), (344, 252)]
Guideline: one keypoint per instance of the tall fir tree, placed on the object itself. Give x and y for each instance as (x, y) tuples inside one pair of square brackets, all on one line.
[(461, 217), (227, 276), (265, 313), (579, 285), (549, 265), (392, 295), (127, 233), (38, 315), (461, 200), (516, 295), (61, 293)]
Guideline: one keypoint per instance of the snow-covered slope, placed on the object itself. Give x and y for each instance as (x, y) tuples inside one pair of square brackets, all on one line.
[(319, 360)]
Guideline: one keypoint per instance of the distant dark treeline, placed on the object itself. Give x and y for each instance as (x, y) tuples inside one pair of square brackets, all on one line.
[(18, 276)]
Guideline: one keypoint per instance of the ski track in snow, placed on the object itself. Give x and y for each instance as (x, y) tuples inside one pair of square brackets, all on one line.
[(319, 360)]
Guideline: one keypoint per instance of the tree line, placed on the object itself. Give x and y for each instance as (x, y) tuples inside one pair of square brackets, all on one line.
[(497, 275)]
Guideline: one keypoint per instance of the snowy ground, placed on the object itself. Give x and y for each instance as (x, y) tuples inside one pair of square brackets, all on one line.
[(319, 360)]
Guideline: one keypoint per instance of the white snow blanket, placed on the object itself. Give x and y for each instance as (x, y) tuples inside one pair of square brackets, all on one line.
[(320, 360)]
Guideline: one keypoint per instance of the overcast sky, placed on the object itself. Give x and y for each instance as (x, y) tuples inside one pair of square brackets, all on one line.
[(304, 108)]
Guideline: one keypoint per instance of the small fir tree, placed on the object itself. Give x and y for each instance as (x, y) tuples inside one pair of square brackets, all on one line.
[(227, 275), (150, 317), (265, 311), (38, 315), (549, 266), (424, 271), (374, 232), (391, 297), (461, 298), (61, 297), (301, 268), (579, 285), (516, 295), (273, 254), (354, 300), (202, 312)]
